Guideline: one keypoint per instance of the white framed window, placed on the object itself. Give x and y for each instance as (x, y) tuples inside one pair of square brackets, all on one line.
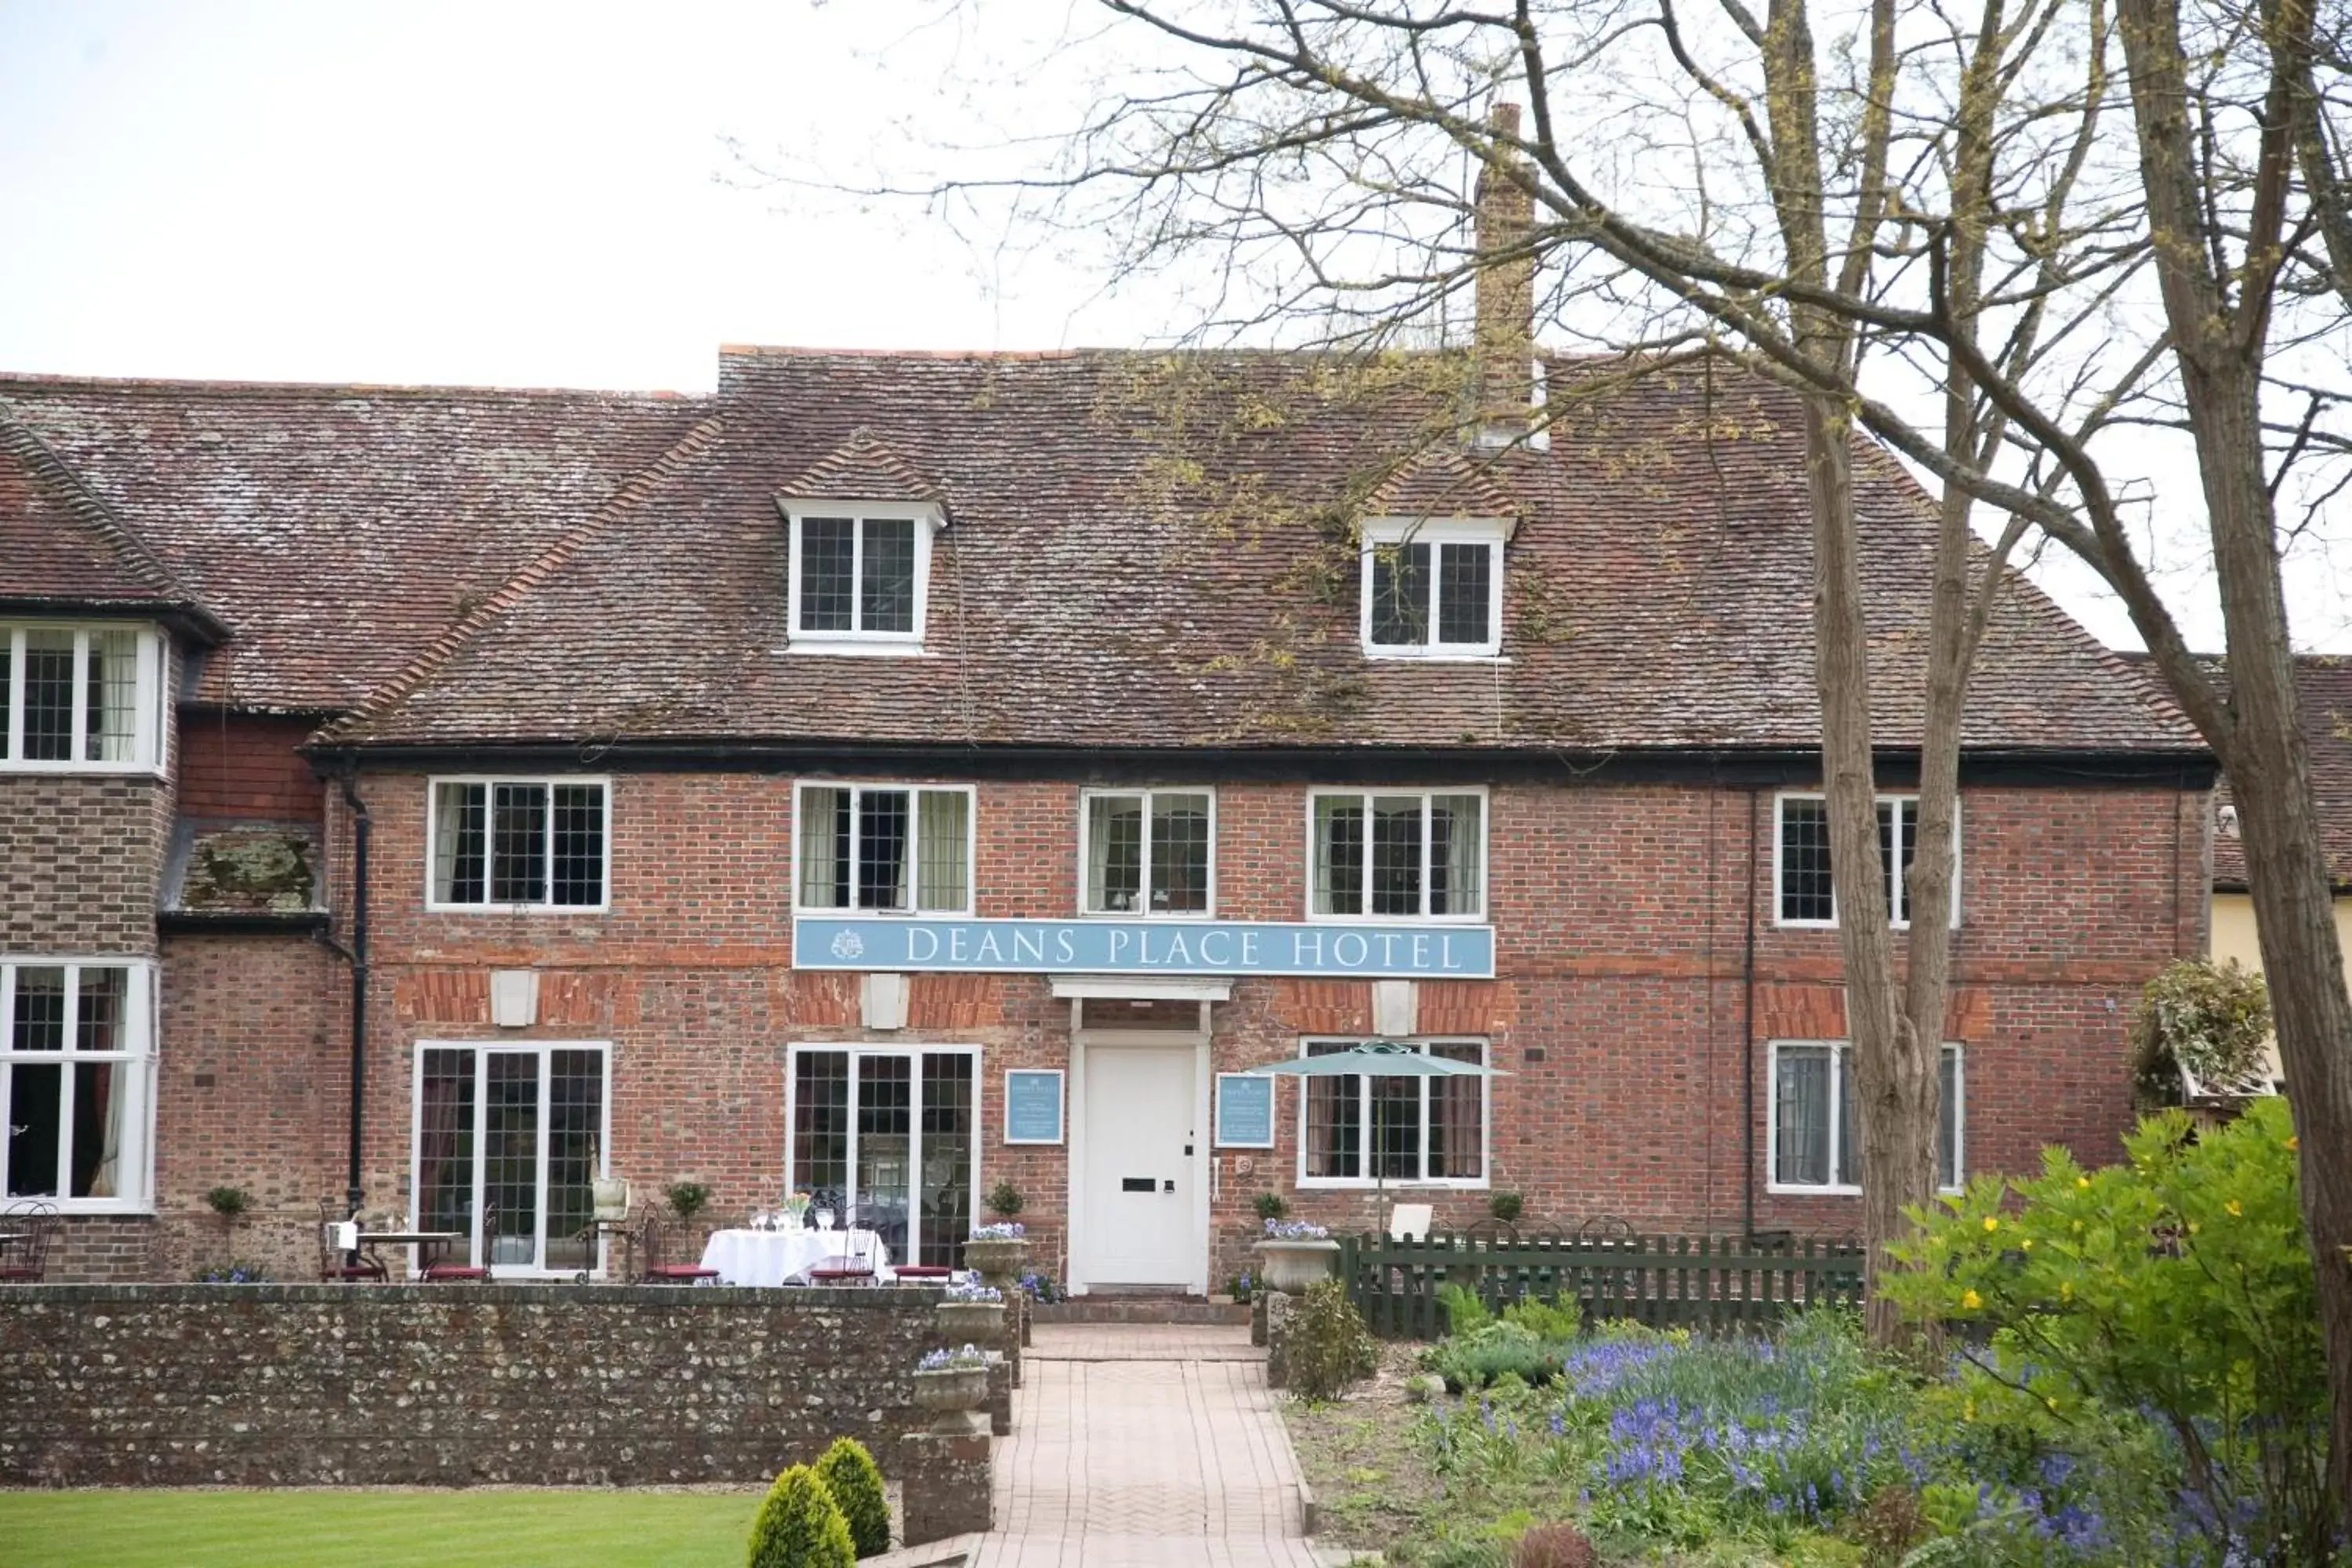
[(1397, 854), (885, 848), (506, 1129), (1148, 852), (1816, 1138), (1432, 587), (80, 697), (520, 844), (890, 1134), (77, 1082), (1802, 892), (1355, 1130), (860, 575)]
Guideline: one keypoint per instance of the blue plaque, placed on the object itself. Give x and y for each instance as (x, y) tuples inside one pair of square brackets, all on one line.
[(1336, 950), (1033, 1105), (1245, 1111)]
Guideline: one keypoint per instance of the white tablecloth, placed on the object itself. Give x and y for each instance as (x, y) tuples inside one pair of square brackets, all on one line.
[(772, 1257)]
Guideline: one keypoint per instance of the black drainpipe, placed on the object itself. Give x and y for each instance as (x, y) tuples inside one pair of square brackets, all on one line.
[(358, 956), (1747, 1034)]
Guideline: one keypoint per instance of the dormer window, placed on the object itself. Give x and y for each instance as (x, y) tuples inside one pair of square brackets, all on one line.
[(1432, 587), (860, 574)]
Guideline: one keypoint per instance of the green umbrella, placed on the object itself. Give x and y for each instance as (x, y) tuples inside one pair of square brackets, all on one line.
[(1378, 1058)]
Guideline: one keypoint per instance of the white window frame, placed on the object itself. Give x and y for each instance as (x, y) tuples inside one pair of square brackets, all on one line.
[(482, 1050), (918, 1050), (1840, 1053), (136, 1180), (1364, 1148), (147, 699), (851, 911), (1366, 795), (1388, 533), (1906, 817), (928, 520), (434, 904), (1147, 793)]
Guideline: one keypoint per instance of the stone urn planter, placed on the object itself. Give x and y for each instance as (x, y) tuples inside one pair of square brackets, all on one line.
[(981, 1322), (1292, 1263), (951, 1393), (998, 1258)]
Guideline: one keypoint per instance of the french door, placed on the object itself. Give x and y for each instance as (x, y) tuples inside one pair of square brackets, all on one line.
[(514, 1131), (890, 1133)]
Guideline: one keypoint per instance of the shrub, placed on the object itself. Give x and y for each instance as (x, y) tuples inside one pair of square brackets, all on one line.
[(1465, 1312), (1506, 1206), (1328, 1345), (1554, 1546), (1270, 1205), (1889, 1525), (2178, 1284), (850, 1474), (686, 1199), (2214, 1020), (1472, 1360), (1561, 1317), (229, 1203), (800, 1526), (1004, 1200)]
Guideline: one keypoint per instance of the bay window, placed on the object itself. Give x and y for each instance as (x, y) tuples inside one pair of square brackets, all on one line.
[(510, 1133), (1412, 857), (1816, 1134), (80, 697), (1148, 852), (886, 848), (1358, 1129), (76, 1076), (520, 844)]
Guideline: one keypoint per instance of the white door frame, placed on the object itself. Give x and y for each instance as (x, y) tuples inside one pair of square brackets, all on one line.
[(1082, 1041)]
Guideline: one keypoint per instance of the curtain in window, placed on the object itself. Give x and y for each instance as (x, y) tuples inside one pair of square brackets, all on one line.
[(1849, 1123), (1335, 1119), (1457, 1117), (1454, 848), (444, 1141), (1114, 853), (824, 848), (458, 851), (1340, 855), (113, 697), (942, 830), (1947, 1135), (1801, 1133)]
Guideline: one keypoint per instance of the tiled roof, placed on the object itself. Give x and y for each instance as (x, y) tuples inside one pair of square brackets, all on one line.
[(1154, 550), (336, 529), (2322, 688), (1442, 481), (62, 544), (861, 468)]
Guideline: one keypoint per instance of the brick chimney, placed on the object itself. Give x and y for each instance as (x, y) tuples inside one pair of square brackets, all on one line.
[(1504, 293)]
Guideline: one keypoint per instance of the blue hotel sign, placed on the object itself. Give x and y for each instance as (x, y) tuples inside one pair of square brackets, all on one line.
[(1145, 947)]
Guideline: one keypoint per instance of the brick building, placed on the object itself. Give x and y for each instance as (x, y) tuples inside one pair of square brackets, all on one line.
[(895, 773)]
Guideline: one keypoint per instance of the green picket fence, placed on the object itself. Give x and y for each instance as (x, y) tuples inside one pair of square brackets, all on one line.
[(1678, 1282)]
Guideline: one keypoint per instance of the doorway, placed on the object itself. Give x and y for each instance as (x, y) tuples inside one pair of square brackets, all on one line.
[(1143, 1212)]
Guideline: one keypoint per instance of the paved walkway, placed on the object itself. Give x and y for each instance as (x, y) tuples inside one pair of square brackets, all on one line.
[(1135, 1444)]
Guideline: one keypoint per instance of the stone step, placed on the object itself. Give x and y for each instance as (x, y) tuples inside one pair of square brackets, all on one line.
[(1139, 1307)]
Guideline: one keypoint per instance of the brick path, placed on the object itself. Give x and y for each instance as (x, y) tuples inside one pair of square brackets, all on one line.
[(1140, 1445)]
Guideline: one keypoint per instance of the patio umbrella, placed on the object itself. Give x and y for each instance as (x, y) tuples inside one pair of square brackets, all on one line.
[(1378, 1058)]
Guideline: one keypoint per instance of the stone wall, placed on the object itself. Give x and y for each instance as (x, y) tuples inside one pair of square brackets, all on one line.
[(448, 1386)]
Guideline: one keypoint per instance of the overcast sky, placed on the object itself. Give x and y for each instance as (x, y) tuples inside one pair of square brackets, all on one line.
[(530, 195)]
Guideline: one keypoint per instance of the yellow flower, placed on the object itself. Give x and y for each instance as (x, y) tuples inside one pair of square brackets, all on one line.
[(2293, 1141), (2194, 1227), (2082, 1180), (1971, 1301), (2078, 1225), (2065, 1289), (1968, 1411), (2235, 1207), (1992, 1224), (2051, 1400), (2027, 1244)]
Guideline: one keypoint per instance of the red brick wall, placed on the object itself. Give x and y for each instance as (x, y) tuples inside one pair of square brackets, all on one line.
[(1623, 917), (244, 767)]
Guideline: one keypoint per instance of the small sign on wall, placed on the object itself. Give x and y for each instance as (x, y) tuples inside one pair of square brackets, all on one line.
[(1033, 1105), (1245, 1111)]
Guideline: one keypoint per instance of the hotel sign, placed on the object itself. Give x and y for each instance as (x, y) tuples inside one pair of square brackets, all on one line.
[(1145, 947)]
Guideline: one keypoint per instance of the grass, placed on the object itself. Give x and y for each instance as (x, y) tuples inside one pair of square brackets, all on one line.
[(377, 1528)]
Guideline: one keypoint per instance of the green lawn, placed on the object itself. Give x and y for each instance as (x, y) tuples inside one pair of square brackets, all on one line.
[(375, 1529)]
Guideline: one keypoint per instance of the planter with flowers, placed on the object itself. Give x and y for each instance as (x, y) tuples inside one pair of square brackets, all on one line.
[(998, 1251), (972, 1311), (1294, 1253), (950, 1383)]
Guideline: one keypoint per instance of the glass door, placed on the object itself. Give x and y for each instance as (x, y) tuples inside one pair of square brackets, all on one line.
[(889, 1135), (508, 1131)]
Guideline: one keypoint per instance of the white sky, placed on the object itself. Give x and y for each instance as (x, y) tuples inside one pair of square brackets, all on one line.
[(528, 196)]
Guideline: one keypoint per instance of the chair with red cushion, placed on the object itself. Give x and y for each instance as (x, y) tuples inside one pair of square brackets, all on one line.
[(652, 1238), (336, 1266), (439, 1272), (35, 1228)]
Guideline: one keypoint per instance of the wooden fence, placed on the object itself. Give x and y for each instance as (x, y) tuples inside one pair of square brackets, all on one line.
[(1680, 1281)]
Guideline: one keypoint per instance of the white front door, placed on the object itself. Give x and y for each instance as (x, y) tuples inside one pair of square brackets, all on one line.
[(1140, 1166)]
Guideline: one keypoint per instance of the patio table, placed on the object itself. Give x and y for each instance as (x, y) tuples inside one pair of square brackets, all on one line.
[(428, 1243), (772, 1257)]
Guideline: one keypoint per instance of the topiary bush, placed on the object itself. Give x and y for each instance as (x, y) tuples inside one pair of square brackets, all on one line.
[(1328, 1345), (850, 1474), (800, 1526)]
